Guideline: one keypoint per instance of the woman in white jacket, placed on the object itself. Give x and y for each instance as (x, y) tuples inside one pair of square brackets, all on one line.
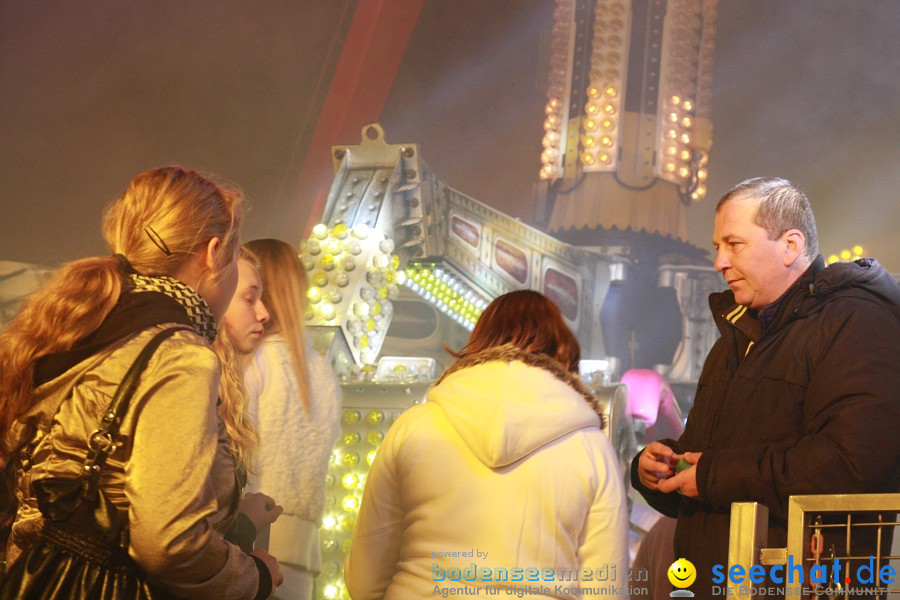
[(502, 479), (294, 399)]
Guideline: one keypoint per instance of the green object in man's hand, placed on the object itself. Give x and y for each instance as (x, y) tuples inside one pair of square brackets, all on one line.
[(681, 465)]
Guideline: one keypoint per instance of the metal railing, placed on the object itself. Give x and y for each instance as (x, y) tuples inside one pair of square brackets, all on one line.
[(809, 517)]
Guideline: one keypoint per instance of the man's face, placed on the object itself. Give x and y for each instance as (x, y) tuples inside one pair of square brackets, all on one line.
[(756, 268), (246, 313)]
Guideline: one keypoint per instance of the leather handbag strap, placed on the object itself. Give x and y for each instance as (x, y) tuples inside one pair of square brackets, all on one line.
[(102, 440)]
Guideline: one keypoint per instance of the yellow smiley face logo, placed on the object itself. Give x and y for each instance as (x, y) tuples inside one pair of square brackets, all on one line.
[(682, 573)]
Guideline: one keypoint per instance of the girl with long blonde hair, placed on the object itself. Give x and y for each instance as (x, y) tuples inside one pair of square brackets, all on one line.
[(295, 400), (174, 236)]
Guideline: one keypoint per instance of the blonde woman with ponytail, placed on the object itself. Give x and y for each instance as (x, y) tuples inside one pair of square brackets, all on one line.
[(295, 400), (174, 236)]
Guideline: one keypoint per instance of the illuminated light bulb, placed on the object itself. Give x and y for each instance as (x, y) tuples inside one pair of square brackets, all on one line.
[(320, 279), (363, 341), (551, 122), (351, 417), (675, 100), (588, 141), (361, 309), (592, 108), (688, 105), (833, 258), (701, 190), (313, 247), (552, 137), (671, 134), (609, 108), (611, 91), (339, 231), (606, 141), (348, 263), (695, 196), (327, 310), (607, 124), (370, 457), (588, 158), (367, 293), (685, 138), (320, 231), (374, 437), (330, 591), (590, 124), (702, 174), (360, 231), (351, 459), (545, 171), (685, 155), (349, 503), (351, 438), (673, 117), (687, 122), (670, 167), (858, 250), (845, 255), (602, 157), (395, 262), (314, 294), (327, 262), (381, 261), (376, 308), (375, 417), (329, 521), (349, 481), (671, 151), (593, 91), (342, 279), (333, 247), (683, 172), (370, 324)]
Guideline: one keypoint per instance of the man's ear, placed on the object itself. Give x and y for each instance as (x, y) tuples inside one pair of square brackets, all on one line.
[(795, 245), (212, 255)]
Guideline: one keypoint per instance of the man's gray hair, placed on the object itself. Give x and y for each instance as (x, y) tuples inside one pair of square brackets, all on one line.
[(781, 206)]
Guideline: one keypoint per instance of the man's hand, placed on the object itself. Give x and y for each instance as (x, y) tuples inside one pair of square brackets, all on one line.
[(685, 481), (656, 464)]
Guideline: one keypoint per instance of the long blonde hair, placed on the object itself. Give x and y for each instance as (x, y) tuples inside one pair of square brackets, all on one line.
[(242, 436), (158, 222), (284, 294)]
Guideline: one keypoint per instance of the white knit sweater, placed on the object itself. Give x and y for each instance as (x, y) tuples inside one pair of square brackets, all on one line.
[(292, 460)]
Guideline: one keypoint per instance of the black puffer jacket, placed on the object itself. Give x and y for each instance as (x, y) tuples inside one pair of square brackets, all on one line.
[(809, 406)]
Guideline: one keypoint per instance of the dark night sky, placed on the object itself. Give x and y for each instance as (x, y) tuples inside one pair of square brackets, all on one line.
[(93, 92)]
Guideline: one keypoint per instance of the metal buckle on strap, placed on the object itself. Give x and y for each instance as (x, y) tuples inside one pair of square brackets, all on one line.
[(101, 441)]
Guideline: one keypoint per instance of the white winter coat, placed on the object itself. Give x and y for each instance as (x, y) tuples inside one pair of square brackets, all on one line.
[(504, 461)]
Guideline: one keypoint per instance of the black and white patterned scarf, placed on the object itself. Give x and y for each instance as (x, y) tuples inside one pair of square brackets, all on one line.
[(196, 307)]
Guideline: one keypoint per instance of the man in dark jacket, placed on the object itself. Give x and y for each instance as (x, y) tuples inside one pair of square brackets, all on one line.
[(799, 395)]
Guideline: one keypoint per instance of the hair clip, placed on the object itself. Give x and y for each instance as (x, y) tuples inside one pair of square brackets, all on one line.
[(157, 240)]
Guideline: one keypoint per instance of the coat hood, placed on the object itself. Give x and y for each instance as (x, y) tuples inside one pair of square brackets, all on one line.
[(862, 275), (505, 403)]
